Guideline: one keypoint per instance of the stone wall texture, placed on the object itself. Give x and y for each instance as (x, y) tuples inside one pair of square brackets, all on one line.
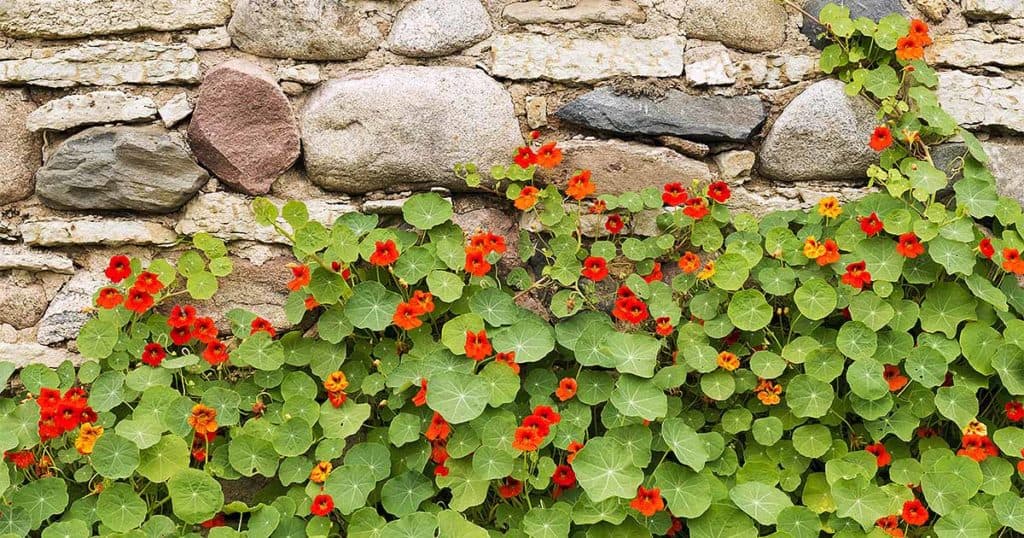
[(126, 125)]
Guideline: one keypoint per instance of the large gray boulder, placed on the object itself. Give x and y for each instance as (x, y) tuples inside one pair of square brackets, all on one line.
[(305, 29), (146, 169), (427, 28), (822, 134), (404, 127), (751, 25)]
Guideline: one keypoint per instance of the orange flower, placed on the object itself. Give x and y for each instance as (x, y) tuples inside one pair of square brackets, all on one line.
[(509, 488), (647, 501), (909, 47), (831, 254), (526, 439), (527, 198), (420, 399), (320, 472), (580, 186), (598, 207), (696, 208), (310, 303), (856, 275), (894, 377), (1012, 261), (768, 392), (423, 301), (909, 246), (203, 419), (728, 361), (215, 353), (573, 448), (385, 253), (148, 282), (631, 310), (689, 263), (336, 381), (476, 262), (87, 436), (405, 316), (919, 29), (478, 347), (890, 525), (829, 207), (663, 326), (707, 272), (109, 298), (882, 457), (262, 325), (674, 194), (915, 513), (812, 248), (548, 156), (301, 276), (138, 301), (438, 429), (881, 138), (548, 414), (566, 389)]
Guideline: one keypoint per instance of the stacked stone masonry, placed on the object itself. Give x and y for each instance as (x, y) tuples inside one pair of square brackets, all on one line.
[(127, 125)]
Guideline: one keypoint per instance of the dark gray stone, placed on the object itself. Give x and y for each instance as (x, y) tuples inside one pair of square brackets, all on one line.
[(872, 9), (145, 169), (705, 118)]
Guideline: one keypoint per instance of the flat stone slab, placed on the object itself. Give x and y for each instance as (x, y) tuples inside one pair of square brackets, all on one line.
[(69, 309), (93, 231), (29, 259), (81, 18), (23, 355), (229, 216), (969, 51), (750, 25), (586, 11), (703, 118), (531, 57), (992, 9), (306, 29), (93, 108), (979, 102), (102, 63)]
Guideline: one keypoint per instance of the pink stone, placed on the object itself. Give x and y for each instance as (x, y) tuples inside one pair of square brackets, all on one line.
[(243, 128)]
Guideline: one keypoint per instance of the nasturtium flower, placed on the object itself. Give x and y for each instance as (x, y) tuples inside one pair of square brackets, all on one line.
[(203, 419), (406, 316), (148, 282), (719, 191), (182, 316), (22, 459), (894, 377), (384, 253), (476, 262), (564, 476), (856, 275), (614, 224), (215, 353), (920, 29), (728, 361), (580, 186), (707, 272), (598, 207), (768, 392), (631, 310), (909, 246), (336, 381), (300, 276), (138, 301), (595, 268), (674, 194), (181, 335), (337, 399), (441, 470), (204, 330), (439, 451), (87, 437), (478, 347), (696, 208), (624, 292), (109, 298), (153, 354), (510, 487), (420, 399), (871, 225), (310, 303), (542, 426), (422, 301), (118, 269), (573, 449), (525, 157), (566, 389), (812, 248), (262, 325), (526, 439), (1014, 411), (909, 47), (831, 254), (881, 138), (675, 529), (975, 427), (890, 525), (915, 513), (527, 198), (320, 472), (548, 155), (689, 263), (488, 242), (829, 207), (647, 501), (439, 429), (663, 326), (548, 414), (986, 249), (508, 359), (1012, 261), (322, 505), (655, 273), (977, 447), (882, 456)]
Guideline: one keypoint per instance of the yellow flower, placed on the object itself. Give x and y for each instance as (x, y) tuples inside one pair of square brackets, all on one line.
[(707, 272), (336, 382), (975, 427), (728, 361), (320, 472), (829, 207), (87, 436), (812, 248)]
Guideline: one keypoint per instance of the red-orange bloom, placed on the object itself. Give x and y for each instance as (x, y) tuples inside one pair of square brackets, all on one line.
[(631, 310), (890, 525), (1012, 261), (655, 273), (300, 276), (690, 263), (548, 156), (509, 488), (674, 194), (881, 138), (1014, 411), (580, 186), (423, 301), (856, 275), (384, 253), (508, 359), (405, 317), (420, 399), (527, 198), (647, 501), (564, 476), (322, 505), (915, 513), (566, 389), (595, 268), (871, 225), (598, 207), (215, 353), (525, 157), (109, 298), (613, 224), (542, 426), (985, 248), (547, 413), (181, 335), (310, 303), (573, 448), (894, 377), (438, 429), (119, 268), (476, 262), (262, 325), (909, 47), (148, 282), (138, 301), (478, 347), (526, 439), (182, 316), (204, 330), (153, 354), (663, 326), (719, 192), (696, 208), (831, 254), (882, 457), (909, 245), (22, 459)]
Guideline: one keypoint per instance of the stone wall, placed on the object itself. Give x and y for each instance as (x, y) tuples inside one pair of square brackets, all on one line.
[(128, 124)]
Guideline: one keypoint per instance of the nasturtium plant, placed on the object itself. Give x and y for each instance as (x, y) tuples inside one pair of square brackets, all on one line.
[(638, 364)]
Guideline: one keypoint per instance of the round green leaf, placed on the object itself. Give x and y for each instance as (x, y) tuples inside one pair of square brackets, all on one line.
[(372, 306), (816, 299), (120, 508), (195, 496), (603, 473), (458, 397), (426, 210), (749, 311), (115, 457)]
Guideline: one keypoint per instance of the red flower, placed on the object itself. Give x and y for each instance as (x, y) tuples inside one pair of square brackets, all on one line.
[(405, 316), (478, 347), (1014, 411), (580, 186), (153, 354), (909, 245), (300, 276), (547, 413), (909, 47), (48, 398), (655, 273), (526, 439), (548, 156), (509, 488), (138, 301), (986, 249), (534, 134), (595, 268), (881, 138), (564, 476), (696, 208), (109, 298), (441, 470), (310, 303), (572, 449), (882, 457), (663, 326), (624, 292), (22, 459), (215, 353), (614, 224), (181, 335), (647, 501), (631, 310), (261, 325), (527, 198), (439, 452), (204, 330), (674, 195), (871, 225), (508, 359), (1012, 261), (322, 505), (891, 526), (423, 301), (919, 29), (894, 377), (856, 275), (385, 253), (690, 263), (977, 447), (915, 513), (525, 157), (215, 521), (598, 207), (420, 399), (488, 242), (566, 389), (438, 429), (675, 529), (148, 282), (476, 262), (537, 423), (182, 316), (337, 399), (719, 192), (119, 268)]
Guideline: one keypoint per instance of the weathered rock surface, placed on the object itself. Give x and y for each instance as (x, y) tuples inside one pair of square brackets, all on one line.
[(979, 102), (253, 287), (619, 166), (586, 11), (101, 63), (711, 118), (968, 51), (709, 65), (21, 303), (69, 310), (872, 9), (175, 109), (358, 137), (229, 217), (428, 28), (530, 56), (243, 128), (80, 18), (27, 259), (92, 231), (993, 9), (1006, 160), (305, 29), (144, 169), (822, 134), (24, 354), (94, 108), (302, 73), (751, 25), (20, 150), (210, 39)]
